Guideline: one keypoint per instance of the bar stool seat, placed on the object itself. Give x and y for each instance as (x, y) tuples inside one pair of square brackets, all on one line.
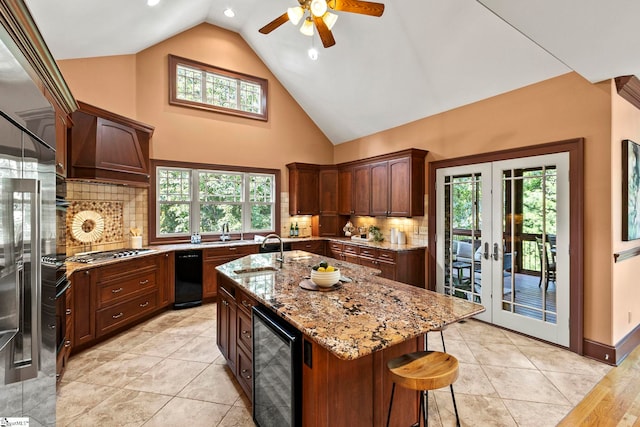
[(423, 371)]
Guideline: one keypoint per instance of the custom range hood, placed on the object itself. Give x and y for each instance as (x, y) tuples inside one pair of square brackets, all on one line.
[(106, 147)]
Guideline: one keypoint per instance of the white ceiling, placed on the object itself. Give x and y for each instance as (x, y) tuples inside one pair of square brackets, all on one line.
[(422, 57)]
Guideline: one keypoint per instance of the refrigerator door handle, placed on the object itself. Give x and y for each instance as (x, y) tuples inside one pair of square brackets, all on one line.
[(25, 351)]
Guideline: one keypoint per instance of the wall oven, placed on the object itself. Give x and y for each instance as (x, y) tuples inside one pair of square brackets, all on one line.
[(277, 371)]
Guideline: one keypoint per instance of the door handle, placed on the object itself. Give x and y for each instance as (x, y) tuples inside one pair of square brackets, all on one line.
[(486, 250), (495, 251)]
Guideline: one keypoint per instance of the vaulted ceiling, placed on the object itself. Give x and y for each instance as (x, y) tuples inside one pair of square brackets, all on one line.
[(421, 58)]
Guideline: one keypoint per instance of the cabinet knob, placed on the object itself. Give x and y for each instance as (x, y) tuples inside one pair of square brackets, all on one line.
[(67, 343), (60, 165), (68, 311), (246, 304)]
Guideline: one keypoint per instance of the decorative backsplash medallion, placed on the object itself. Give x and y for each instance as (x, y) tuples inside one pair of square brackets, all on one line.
[(111, 211)]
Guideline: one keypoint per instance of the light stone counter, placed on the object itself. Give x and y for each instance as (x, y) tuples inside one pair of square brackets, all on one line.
[(367, 315)]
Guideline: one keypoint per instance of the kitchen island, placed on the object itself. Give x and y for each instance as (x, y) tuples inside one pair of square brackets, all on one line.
[(349, 333)]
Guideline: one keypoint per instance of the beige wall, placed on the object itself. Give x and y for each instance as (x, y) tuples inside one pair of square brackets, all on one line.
[(137, 86), (557, 109), (625, 292)]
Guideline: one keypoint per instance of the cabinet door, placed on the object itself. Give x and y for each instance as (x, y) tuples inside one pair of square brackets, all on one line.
[(83, 307), (388, 270), (166, 279), (329, 192), (380, 189), (226, 333), (345, 191), (329, 226), (362, 189), (400, 188), (303, 191)]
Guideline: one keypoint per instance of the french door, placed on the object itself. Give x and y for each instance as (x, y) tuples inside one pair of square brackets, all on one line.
[(503, 241)]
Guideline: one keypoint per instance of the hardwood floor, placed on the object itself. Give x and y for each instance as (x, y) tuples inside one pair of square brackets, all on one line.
[(614, 401)]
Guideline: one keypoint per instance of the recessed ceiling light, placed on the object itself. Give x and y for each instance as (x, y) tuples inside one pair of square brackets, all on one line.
[(229, 13), (152, 2)]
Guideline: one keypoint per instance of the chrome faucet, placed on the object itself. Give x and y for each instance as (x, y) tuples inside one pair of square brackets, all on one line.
[(225, 232), (275, 236)]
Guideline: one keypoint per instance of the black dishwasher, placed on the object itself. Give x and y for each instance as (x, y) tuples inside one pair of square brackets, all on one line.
[(277, 371), (188, 279)]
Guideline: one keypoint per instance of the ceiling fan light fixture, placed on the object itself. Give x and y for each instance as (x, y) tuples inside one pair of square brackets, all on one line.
[(329, 19), (318, 7), (229, 13), (313, 53), (152, 2), (295, 14), (307, 27)]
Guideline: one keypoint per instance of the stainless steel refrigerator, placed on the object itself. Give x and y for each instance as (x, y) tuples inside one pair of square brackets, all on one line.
[(27, 231)]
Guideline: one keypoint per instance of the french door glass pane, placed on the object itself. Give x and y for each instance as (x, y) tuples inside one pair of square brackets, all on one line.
[(529, 229), (463, 214)]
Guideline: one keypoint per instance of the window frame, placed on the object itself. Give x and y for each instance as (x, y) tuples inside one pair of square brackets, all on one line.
[(155, 238), (174, 61)]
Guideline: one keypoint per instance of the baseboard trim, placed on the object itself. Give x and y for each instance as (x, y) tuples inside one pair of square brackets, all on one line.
[(612, 355)]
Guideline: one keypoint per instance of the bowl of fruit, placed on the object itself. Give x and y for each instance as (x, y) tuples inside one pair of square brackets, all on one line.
[(325, 275)]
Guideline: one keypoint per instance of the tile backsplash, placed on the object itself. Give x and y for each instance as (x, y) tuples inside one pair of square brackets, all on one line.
[(121, 207), (415, 228)]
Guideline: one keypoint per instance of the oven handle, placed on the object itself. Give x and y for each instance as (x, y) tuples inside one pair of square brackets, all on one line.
[(61, 292)]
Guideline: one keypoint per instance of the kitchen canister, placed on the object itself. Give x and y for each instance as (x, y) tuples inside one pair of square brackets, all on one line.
[(402, 238), (394, 235)]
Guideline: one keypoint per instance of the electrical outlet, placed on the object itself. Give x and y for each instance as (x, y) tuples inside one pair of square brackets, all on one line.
[(424, 230), (416, 229)]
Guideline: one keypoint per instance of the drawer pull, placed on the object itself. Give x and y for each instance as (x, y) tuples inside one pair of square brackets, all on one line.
[(247, 334), (246, 304), (52, 327), (68, 311), (144, 304), (67, 343), (117, 316), (233, 249), (245, 372), (115, 291), (144, 282)]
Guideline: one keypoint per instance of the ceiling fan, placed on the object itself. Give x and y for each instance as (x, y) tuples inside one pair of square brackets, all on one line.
[(318, 15)]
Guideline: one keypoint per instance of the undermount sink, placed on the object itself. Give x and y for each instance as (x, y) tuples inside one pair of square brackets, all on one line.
[(216, 243), (256, 270)]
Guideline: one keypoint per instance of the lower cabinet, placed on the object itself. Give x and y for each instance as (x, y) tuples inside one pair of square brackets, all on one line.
[(313, 246), (234, 332), (110, 298), (403, 266), (213, 257)]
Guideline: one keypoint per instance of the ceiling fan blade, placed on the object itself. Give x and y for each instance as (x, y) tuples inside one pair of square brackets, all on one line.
[(324, 32), (274, 24), (357, 6)]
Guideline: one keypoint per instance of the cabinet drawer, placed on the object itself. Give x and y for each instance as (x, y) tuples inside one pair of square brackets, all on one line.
[(245, 331), (123, 268), (245, 371), (369, 252), (316, 246), (118, 290), (244, 301), (387, 256), (351, 249), (336, 247), (230, 251), (111, 318)]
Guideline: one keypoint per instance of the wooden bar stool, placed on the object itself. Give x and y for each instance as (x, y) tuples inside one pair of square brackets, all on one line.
[(444, 348), (423, 371)]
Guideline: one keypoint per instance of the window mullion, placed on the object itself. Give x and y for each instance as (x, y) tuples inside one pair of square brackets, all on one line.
[(195, 201)]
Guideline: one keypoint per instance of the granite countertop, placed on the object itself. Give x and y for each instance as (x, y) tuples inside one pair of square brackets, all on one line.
[(367, 315)]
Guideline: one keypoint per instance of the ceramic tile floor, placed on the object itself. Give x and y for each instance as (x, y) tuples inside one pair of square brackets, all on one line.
[(168, 371)]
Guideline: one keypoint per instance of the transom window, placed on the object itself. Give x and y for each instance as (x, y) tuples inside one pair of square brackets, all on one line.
[(197, 85), (192, 200)]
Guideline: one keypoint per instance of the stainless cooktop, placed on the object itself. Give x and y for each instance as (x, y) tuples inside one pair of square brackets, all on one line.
[(98, 256)]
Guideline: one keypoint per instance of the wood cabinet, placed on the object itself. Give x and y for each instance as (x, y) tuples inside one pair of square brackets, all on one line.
[(406, 266), (234, 334), (304, 188), (313, 246), (109, 298), (345, 191), (362, 190), (108, 147), (328, 191), (212, 257), (388, 185), (62, 357), (61, 125)]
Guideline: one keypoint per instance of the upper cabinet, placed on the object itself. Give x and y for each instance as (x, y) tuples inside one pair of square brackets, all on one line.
[(107, 147), (388, 185), (304, 187), (329, 191)]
